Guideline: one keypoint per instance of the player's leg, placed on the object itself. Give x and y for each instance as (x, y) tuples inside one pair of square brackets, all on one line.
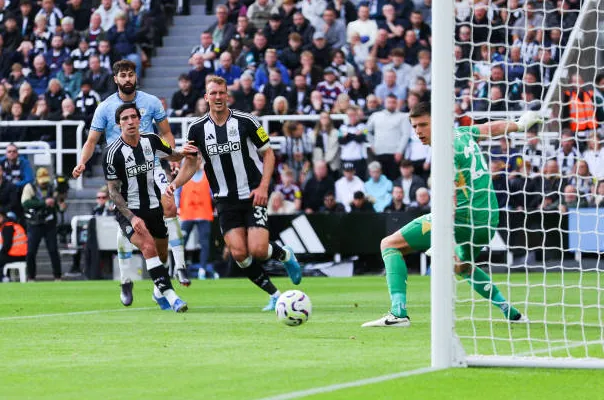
[(465, 255), (412, 237), (261, 249), (176, 243), (127, 271), (258, 244)]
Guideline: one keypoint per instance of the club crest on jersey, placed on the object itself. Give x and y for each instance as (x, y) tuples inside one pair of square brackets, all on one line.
[(232, 132), (223, 148), (142, 110), (139, 169), (148, 151)]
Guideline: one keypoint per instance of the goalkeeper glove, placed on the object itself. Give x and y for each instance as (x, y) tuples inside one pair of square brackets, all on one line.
[(527, 120)]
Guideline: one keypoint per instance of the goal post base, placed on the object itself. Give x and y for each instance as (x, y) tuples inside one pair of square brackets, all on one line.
[(534, 362)]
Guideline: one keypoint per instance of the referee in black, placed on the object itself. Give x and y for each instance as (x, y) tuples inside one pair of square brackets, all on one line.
[(128, 163), (239, 163)]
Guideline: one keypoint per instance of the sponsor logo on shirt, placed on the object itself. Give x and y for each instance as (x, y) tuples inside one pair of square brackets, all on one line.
[(223, 148), (139, 169)]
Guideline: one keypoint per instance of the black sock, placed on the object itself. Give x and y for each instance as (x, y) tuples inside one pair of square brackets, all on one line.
[(278, 252), (161, 278), (256, 274)]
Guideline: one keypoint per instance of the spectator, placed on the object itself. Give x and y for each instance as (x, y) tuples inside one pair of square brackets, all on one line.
[(102, 80), (290, 57), (104, 207), (358, 92), (13, 242), (341, 104), (26, 18), (311, 72), (107, 56), (201, 108), (81, 55), (11, 35), (276, 88), (330, 88), (345, 10), (245, 96), (27, 98), (108, 11), (69, 35), (40, 76), (567, 155), (14, 133), (396, 205), (80, 14), (571, 200), (553, 184), (290, 191), (422, 30), (381, 48), (316, 188), (56, 55), (270, 62), (194, 202), (534, 152), (312, 11), (222, 30), (276, 32), (398, 65), (55, 95), (52, 13), (594, 156), (578, 111), (39, 200), (531, 18), (366, 28), (348, 185), (207, 50), (68, 112), (357, 51), (245, 30), (70, 80), (389, 136), (409, 182), (184, 99), (343, 69), (286, 11), (372, 105), (259, 13), (582, 180), (5, 101), (403, 9), (235, 9), (320, 49), (41, 112), (95, 33), (330, 205), (422, 204), (360, 203), (14, 81), (391, 24), (146, 34), (87, 100), (507, 158), (198, 74), (122, 37), (598, 198), (378, 187), (327, 147), (255, 56), (9, 194), (277, 205), (41, 35), (280, 107), (300, 95), (390, 88), (353, 137), (259, 105), (297, 151), (371, 74), (303, 28), (228, 71), (423, 68), (334, 29), (16, 169)]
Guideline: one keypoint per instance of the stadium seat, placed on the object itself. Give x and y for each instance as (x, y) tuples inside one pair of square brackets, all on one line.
[(21, 266)]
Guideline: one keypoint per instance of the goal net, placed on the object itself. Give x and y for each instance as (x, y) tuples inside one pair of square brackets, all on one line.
[(544, 257)]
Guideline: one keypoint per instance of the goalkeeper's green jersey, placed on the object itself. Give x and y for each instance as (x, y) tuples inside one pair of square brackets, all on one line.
[(476, 200)]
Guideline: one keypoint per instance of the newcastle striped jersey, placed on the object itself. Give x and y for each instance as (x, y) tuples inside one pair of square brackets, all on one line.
[(134, 167), (232, 163)]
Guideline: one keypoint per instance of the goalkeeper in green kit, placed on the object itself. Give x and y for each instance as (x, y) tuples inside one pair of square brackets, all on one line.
[(476, 218)]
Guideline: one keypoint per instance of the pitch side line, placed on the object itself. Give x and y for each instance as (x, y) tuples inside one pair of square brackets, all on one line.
[(93, 312), (361, 382)]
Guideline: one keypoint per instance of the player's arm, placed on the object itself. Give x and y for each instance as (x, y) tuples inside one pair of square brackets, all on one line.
[(87, 152), (498, 128), (165, 151), (187, 170), (261, 140), (166, 132), (115, 194)]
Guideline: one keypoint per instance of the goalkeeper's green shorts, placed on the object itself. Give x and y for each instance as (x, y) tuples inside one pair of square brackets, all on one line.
[(470, 240)]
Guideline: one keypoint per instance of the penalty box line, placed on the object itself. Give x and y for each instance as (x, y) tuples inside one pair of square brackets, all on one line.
[(352, 384)]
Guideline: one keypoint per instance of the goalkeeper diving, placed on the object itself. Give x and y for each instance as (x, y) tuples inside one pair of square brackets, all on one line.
[(476, 218)]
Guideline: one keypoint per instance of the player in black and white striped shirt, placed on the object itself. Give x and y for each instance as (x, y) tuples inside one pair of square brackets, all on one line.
[(239, 163), (129, 170)]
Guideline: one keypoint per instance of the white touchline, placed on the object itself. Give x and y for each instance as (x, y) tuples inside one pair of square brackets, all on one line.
[(92, 312), (360, 382)]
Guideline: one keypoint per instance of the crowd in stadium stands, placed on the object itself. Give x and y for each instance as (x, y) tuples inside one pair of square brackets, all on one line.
[(368, 60)]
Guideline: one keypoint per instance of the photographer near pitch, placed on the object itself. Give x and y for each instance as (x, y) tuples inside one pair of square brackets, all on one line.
[(41, 201)]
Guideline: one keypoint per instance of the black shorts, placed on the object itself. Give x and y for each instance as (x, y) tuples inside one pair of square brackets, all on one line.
[(154, 221), (241, 214)]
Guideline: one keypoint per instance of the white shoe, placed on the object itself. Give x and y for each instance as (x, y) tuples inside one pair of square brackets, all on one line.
[(523, 319), (389, 320)]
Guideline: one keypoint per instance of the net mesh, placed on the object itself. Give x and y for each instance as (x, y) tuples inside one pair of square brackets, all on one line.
[(549, 182)]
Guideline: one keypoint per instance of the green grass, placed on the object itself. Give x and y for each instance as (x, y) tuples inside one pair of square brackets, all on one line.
[(225, 348)]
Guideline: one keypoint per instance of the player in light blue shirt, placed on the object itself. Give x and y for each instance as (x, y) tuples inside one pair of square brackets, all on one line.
[(104, 121)]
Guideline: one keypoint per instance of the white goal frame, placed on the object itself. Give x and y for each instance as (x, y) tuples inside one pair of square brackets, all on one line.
[(446, 349)]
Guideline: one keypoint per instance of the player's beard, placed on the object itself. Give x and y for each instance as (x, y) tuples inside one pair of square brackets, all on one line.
[(126, 89)]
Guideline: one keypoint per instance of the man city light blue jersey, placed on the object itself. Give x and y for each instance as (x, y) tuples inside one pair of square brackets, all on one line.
[(149, 106)]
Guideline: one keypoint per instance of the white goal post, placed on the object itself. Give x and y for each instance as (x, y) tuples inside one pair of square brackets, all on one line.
[(562, 295)]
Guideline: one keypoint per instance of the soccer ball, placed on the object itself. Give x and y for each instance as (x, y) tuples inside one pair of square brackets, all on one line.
[(293, 308)]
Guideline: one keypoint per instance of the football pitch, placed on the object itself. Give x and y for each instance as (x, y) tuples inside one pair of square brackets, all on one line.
[(74, 340)]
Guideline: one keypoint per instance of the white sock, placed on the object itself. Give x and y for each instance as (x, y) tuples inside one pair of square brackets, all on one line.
[(245, 263), (124, 258), (153, 262), (175, 241), (170, 296), (276, 294), (157, 293)]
